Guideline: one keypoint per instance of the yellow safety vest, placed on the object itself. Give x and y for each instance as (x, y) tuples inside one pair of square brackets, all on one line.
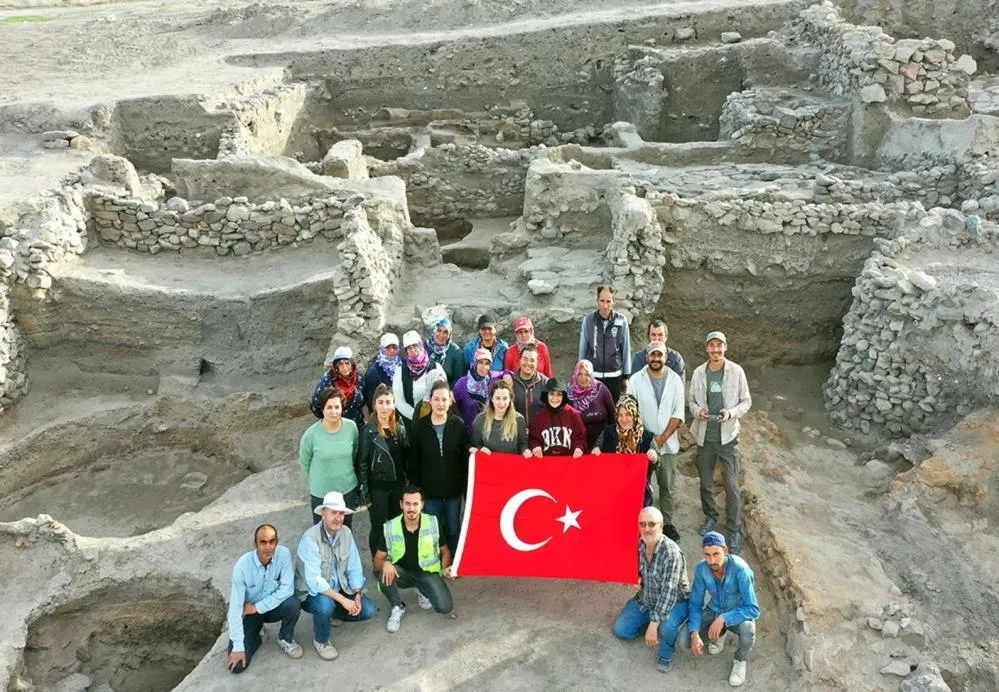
[(428, 542)]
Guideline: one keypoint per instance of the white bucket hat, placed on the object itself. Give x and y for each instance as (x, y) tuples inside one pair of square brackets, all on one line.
[(333, 500)]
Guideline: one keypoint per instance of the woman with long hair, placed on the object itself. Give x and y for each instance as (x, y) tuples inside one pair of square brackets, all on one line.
[(381, 459), (628, 436), (499, 428), (326, 453), (344, 375), (592, 401)]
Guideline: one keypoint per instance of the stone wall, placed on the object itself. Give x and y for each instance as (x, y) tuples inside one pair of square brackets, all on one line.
[(228, 225), (264, 121), (919, 340), (924, 75), (789, 123)]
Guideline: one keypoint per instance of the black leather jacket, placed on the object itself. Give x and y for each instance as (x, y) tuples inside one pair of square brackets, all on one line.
[(375, 462)]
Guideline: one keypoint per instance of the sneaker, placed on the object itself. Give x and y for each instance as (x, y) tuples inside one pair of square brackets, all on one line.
[(709, 525), (291, 648), (715, 648), (671, 532), (738, 674), (395, 618), (664, 666), (423, 601), (326, 650)]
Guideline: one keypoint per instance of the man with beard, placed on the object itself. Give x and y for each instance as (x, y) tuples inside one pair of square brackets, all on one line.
[(732, 586), (659, 391), (411, 554), (719, 397), (527, 384)]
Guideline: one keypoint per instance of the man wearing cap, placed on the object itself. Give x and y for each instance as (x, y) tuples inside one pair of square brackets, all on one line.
[(328, 575), (658, 331), (660, 606), (383, 369), (659, 392), (263, 590), (527, 384), (523, 329), (719, 397), (488, 340), (605, 341), (732, 586), (410, 554), (557, 428)]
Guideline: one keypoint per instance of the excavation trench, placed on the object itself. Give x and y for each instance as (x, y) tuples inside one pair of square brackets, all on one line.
[(140, 635)]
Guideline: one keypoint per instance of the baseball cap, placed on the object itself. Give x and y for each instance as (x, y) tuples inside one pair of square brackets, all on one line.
[(343, 353), (656, 346), (483, 354), (487, 321), (712, 538), (388, 339), (411, 338), (522, 323), (716, 335)]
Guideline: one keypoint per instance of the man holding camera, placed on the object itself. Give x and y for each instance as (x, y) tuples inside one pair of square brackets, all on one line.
[(719, 397)]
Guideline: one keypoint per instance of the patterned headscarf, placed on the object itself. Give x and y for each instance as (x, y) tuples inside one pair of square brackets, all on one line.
[(478, 385), (388, 363), (346, 384), (629, 440), (579, 396), (420, 363), (437, 351)]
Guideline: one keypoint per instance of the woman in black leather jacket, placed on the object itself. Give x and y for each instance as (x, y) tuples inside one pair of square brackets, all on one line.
[(382, 452)]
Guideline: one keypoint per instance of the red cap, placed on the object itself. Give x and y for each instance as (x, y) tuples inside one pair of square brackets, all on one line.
[(522, 323)]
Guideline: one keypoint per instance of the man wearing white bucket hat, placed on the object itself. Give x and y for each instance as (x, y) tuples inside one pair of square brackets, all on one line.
[(329, 578)]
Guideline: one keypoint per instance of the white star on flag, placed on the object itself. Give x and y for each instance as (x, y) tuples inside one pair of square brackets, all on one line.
[(570, 519)]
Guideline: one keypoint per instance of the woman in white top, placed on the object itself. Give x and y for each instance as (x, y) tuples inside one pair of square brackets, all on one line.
[(414, 377)]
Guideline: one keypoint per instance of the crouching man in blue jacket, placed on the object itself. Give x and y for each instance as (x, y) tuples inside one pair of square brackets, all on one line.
[(732, 586)]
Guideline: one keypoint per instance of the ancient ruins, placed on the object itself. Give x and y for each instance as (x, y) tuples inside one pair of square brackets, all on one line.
[(200, 200)]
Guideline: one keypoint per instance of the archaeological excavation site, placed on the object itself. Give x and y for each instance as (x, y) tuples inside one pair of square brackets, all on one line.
[(200, 201)]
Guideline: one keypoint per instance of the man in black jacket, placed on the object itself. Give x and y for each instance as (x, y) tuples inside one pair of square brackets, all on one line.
[(439, 462)]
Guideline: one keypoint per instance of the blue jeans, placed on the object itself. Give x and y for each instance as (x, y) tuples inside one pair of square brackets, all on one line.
[(287, 613), (323, 609), (745, 629), (634, 618), (448, 513)]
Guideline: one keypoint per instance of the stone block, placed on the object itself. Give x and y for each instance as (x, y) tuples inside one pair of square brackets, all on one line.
[(345, 160)]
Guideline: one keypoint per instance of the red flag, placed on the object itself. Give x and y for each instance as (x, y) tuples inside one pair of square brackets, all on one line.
[(552, 517)]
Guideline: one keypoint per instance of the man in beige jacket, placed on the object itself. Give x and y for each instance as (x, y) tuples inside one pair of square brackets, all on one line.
[(719, 397)]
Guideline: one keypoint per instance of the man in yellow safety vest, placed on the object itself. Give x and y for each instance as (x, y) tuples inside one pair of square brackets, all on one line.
[(410, 554)]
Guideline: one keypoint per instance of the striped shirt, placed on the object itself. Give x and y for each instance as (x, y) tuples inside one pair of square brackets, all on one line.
[(664, 578)]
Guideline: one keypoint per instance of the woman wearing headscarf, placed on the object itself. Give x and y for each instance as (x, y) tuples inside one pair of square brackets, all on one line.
[(444, 352), (628, 436), (523, 329), (414, 378), (471, 391), (499, 428), (383, 369), (342, 374), (592, 401)]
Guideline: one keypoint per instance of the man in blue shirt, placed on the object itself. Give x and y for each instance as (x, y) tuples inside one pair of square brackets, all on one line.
[(329, 578), (263, 583), (732, 586)]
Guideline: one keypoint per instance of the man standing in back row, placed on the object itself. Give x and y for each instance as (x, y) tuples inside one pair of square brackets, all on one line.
[(719, 397), (605, 341)]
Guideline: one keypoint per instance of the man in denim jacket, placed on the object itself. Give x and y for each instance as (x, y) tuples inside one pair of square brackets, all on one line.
[(732, 586), (719, 397)]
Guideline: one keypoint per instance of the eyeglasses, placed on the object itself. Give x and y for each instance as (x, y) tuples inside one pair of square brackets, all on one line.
[(648, 524)]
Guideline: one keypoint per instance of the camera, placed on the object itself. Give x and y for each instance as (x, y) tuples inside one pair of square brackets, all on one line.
[(715, 418)]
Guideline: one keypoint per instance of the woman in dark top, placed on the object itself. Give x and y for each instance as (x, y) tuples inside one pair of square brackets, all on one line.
[(592, 401), (439, 462), (629, 436), (343, 375), (381, 456), (444, 352), (499, 428)]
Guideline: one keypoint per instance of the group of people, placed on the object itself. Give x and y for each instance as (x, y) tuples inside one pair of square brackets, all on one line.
[(429, 403)]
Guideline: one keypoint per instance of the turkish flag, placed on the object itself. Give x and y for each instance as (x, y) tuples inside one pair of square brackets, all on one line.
[(555, 517)]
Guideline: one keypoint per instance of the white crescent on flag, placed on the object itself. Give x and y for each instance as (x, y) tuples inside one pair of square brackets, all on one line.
[(509, 514)]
